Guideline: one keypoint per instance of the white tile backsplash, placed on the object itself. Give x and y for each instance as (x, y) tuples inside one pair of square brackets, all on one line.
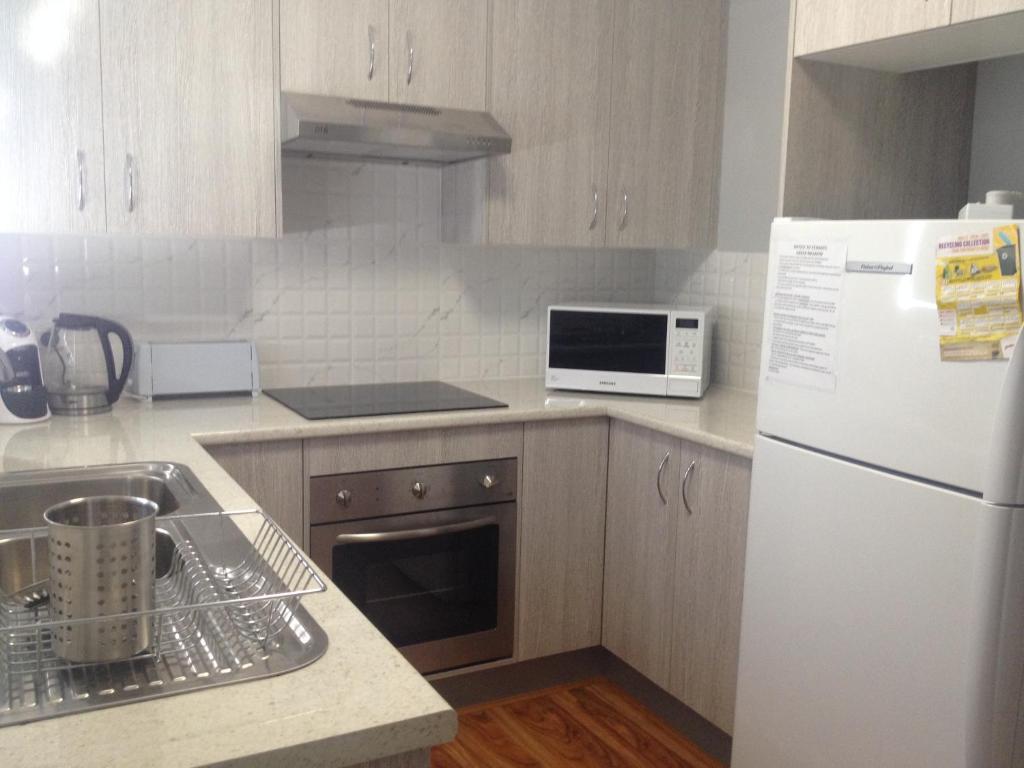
[(360, 289)]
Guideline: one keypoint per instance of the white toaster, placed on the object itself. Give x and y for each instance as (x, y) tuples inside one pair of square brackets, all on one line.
[(193, 368)]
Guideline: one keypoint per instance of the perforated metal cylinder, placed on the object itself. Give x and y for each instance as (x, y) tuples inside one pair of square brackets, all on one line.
[(101, 553)]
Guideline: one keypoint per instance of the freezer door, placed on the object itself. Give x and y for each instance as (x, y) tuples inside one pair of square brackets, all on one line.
[(881, 621), (894, 403)]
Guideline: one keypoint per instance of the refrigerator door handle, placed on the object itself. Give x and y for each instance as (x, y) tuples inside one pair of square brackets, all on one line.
[(1004, 470)]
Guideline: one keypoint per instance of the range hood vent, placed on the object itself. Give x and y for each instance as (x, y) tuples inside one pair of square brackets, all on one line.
[(355, 128)]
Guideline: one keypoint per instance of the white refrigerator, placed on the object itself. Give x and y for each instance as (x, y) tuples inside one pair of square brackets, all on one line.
[(883, 609)]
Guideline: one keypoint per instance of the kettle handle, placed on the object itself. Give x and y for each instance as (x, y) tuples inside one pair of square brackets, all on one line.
[(107, 328)]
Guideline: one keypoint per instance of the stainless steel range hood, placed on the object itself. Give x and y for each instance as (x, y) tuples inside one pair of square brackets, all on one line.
[(322, 125)]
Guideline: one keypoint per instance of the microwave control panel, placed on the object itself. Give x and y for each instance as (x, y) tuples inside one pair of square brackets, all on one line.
[(686, 340)]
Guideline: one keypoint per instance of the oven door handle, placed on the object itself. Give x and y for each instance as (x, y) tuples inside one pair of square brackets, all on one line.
[(380, 537)]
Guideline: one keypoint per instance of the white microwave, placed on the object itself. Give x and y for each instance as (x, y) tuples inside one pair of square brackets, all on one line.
[(634, 349)]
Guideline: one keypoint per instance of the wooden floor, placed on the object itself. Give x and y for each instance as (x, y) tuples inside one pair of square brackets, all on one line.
[(591, 723)]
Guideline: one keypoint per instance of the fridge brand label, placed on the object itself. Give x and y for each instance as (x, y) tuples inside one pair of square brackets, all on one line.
[(880, 267), (804, 295)]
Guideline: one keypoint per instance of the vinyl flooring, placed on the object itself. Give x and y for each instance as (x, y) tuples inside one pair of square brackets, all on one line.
[(589, 723)]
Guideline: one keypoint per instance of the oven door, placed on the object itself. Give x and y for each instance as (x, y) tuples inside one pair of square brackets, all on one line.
[(440, 586)]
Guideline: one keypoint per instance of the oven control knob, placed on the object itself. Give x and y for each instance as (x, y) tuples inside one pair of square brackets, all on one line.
[(489, 481), (344, 497), (419, 490)]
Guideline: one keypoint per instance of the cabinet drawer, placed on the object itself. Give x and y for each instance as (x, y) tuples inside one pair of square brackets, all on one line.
[(357, 495)]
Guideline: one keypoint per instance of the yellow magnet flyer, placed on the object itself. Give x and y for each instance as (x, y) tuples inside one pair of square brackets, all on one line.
[(977, 291)]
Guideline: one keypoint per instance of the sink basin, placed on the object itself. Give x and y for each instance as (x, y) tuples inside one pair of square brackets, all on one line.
[(204, 563), (24, 496)]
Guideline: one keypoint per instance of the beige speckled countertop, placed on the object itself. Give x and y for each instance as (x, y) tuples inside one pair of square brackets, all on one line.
[(361, 700)]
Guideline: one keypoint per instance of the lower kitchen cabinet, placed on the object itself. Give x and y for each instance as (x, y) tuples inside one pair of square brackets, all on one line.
[(562, 518), (272, 474), (710, 553), (643, 517), (674, 565)]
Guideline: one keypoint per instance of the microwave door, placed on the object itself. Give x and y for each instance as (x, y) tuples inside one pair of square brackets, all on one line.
[(599, 350)]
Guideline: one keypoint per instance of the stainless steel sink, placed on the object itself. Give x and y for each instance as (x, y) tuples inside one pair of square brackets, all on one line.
[(24, 496), (210, 653)]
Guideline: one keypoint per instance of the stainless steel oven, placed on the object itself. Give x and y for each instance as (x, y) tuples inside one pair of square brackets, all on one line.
[(427, 554)]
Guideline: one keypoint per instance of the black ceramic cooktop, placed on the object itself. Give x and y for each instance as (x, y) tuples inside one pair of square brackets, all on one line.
[(379, 399)]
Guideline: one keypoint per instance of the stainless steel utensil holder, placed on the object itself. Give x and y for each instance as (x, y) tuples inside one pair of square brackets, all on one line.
[(101, 553), (222, 601)]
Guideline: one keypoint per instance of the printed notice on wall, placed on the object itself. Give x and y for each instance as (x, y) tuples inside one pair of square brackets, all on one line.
[(804, 314)]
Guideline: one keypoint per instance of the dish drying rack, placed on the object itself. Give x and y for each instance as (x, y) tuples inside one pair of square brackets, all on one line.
[(227, 609)]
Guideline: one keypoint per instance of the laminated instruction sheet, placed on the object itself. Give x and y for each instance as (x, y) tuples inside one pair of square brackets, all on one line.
[(804, 314), (977, 292)]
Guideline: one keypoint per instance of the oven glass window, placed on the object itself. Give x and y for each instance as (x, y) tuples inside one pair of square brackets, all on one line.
[(608, 341), (420, 590)]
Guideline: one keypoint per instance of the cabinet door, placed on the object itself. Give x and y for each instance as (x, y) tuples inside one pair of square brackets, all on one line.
[(51, 162), (335, 47), (640, 548), (822, 25), (550, 89), (439, 53), (969, 10), (189, 117), (667, 101), (271, 473), (709, 582), (562, 519)]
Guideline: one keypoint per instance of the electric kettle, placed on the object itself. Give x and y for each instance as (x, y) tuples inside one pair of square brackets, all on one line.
[(79, 367)]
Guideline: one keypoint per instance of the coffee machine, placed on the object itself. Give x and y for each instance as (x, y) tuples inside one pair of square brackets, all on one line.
[(22, 394)]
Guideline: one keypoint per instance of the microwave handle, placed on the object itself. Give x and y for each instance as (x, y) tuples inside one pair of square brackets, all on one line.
[(381, 537)]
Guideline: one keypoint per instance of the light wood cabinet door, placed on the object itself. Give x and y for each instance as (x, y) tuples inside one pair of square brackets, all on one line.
[(640, 548), (562, 521), (710, 556), (550, 89), (335, 47), (666, 125), (189, 117), (271, 473), (969, 10), (439, 53), (822, 25), (51, 117)]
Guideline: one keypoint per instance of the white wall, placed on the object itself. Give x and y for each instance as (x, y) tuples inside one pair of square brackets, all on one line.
[(752, 135), (997, 151)]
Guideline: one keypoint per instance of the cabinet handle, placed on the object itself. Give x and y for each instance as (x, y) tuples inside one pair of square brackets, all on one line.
[(686, 479), (624, 219), (81, 180), (373, 52), (408, 70), (593, 219), (661, 471), (129, 174)]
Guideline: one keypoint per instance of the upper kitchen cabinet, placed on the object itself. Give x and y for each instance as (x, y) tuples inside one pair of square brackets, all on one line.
[(335, 47), (822, 25), (439, 53), (969, 10), (424, 52), (51, 164), (189, 116), (666, 125), (550, 89)]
